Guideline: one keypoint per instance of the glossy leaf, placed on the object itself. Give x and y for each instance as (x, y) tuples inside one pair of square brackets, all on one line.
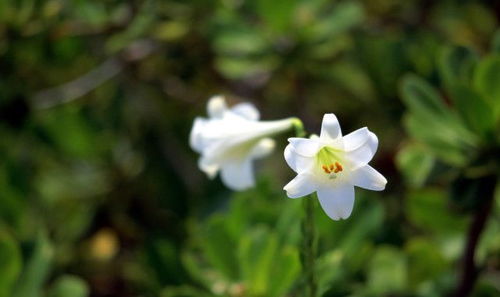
[(495, 42), (431, 211), (415, 163), (278, 15), (343, 17), (474, 109), (285, 272), (425, 262), (257, 253), (69, 285), (36, 270), (486, 78), (387, 272), (219, 247), (10, 263), (456, 65), (421, 98)]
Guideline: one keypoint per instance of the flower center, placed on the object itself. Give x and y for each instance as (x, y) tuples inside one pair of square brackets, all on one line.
[(329, 160)]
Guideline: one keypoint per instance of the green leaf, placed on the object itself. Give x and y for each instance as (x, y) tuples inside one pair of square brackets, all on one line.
[(184, 291), (13, 204), (426, 263), (433, 123), (495, 43), (429, 210), (285, 271), (240, 41), (69, 285), (219, 247), (10, 263), (163, 258), (70, 131), (366, 222), (487, 78), (474, 109), (438, 139), (36, 269), (422, 98), (243, 67), (387, 271), (345, 16), (194, 268), (415, 163), (456, 65), (278, 14), (138, 27), (329, 270), (257, 253)]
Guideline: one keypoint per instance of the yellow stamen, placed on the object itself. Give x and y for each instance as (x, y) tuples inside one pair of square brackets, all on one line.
[(338, 167)]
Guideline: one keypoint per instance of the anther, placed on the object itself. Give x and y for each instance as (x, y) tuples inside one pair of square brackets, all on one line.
[(338, 167)]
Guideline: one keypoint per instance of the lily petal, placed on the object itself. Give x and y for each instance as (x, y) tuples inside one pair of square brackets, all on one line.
[(364, 153), (301, 185), (356, 139), (246, 110), (297, 162), (263, 148), (237, 145), (238, 176), (208, 167), (195, 136), (368, 178), (330, 128), (305, 147), (337, 202), (216, 107)]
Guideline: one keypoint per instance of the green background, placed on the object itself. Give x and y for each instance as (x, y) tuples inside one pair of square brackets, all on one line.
[(100, 194)]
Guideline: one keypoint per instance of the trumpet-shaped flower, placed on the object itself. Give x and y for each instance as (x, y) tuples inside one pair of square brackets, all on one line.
[(332, 165), (231, 138)]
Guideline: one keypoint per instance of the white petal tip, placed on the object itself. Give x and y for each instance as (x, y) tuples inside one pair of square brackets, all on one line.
[(381, 184), (216, 106), (330, 128), (263, 148), (345, 216), (211, 175), (291, 194), (216, 99), (339, 216), (300, 186)]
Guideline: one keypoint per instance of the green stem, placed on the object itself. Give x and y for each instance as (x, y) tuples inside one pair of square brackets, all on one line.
[(299, 127), (308, 232), (309, 246)]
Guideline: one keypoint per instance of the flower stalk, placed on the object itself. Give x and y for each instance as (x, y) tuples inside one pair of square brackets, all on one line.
[(309, 240), (309, 247)]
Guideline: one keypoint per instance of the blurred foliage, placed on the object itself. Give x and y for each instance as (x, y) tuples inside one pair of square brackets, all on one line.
[(100, 193)]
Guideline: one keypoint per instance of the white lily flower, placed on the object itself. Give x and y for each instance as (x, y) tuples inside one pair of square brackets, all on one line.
[(332, 165), (231, 138)]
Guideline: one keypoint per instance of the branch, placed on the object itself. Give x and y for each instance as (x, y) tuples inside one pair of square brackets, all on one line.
[(470, 271), (94, 78)]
